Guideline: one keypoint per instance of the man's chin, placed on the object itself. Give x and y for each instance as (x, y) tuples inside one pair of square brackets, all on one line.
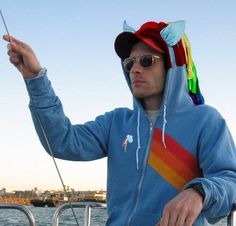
[(138, 95)]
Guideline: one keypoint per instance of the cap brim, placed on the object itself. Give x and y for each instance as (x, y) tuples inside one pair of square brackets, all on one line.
[(124, 43), (126, 40)]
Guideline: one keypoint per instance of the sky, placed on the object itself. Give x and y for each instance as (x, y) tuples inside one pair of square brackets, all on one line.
[(74, 40)]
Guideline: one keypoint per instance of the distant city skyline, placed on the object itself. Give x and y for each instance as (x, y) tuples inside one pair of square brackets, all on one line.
[(42, 190), (50, 198), (74, 40)]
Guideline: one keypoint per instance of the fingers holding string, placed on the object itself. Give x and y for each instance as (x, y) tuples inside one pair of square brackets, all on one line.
[(14, 57), (16, 44), (17, 50), (23, 57), (11, 39)]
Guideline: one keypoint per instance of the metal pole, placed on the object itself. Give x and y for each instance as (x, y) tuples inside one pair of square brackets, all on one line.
[(87, 215)]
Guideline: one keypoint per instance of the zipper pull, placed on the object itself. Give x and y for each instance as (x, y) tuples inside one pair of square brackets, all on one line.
[(151, 127)]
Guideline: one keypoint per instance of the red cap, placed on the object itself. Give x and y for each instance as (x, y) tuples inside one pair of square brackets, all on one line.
[(148, 33)]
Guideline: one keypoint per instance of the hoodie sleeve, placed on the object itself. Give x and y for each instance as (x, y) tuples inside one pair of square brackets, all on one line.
[(217, 158), (71, 142)]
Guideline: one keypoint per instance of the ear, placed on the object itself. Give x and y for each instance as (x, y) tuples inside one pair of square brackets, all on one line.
[(173, 32), (127, 28)]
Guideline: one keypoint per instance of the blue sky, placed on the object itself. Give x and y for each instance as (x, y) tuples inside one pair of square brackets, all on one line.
[(74, 41)]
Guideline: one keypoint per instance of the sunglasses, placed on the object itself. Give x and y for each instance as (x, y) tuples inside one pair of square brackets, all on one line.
[(145, 61)]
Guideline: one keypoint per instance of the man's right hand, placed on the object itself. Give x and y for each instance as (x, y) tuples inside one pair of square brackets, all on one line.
[(23, 57)]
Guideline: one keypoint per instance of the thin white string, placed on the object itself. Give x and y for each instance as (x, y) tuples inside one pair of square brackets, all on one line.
[(5, 25), (164, 126), (138, 140)]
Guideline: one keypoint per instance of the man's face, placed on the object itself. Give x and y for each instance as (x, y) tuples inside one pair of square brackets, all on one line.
[(147, 82)]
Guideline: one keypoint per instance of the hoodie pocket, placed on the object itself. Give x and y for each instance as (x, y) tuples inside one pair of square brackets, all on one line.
[(118, 217), (145, 219)]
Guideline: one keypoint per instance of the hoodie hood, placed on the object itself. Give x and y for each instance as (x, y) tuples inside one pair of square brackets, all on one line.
[(171, 40)]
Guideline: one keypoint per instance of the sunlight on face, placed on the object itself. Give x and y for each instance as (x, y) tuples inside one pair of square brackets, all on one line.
[(147, 83)]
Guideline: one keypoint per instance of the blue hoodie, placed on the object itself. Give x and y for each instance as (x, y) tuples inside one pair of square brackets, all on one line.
[(147, 165)]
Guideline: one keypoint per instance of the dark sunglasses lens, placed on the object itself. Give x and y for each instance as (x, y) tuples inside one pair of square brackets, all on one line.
[(128, 64), (146, 61)]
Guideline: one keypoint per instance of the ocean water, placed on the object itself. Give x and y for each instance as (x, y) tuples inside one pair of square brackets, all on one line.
[(43, 217)]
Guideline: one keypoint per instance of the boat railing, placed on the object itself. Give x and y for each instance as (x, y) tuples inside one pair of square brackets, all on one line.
[(87, 210), (21, 208), (231, 219)]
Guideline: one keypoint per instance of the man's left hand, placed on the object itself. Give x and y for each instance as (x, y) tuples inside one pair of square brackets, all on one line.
[(183, 209)]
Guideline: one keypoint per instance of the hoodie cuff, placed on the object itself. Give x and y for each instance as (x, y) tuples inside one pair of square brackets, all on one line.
[(42, 72), (40, 86)]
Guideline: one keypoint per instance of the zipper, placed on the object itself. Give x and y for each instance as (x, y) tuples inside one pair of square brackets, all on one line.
[(143, 173)]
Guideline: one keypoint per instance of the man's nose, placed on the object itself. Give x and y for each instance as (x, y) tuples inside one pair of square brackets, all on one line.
[(136, 68)]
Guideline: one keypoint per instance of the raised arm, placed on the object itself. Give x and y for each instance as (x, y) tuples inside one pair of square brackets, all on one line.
[(67, 141)]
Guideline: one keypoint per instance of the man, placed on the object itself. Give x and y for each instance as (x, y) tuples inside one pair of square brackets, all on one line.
[(171, 160)]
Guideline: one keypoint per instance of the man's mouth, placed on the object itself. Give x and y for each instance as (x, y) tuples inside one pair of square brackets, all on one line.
[(137, 82)]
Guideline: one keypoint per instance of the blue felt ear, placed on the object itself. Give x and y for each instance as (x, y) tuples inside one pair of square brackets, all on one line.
[(173, 32), (127, 28)]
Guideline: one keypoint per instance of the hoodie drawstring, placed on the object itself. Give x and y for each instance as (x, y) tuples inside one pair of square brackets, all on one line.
[(164, 127), (138, 134), (138, 140)]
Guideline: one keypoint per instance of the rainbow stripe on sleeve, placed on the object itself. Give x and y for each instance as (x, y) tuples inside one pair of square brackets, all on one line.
[(174, 163)]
